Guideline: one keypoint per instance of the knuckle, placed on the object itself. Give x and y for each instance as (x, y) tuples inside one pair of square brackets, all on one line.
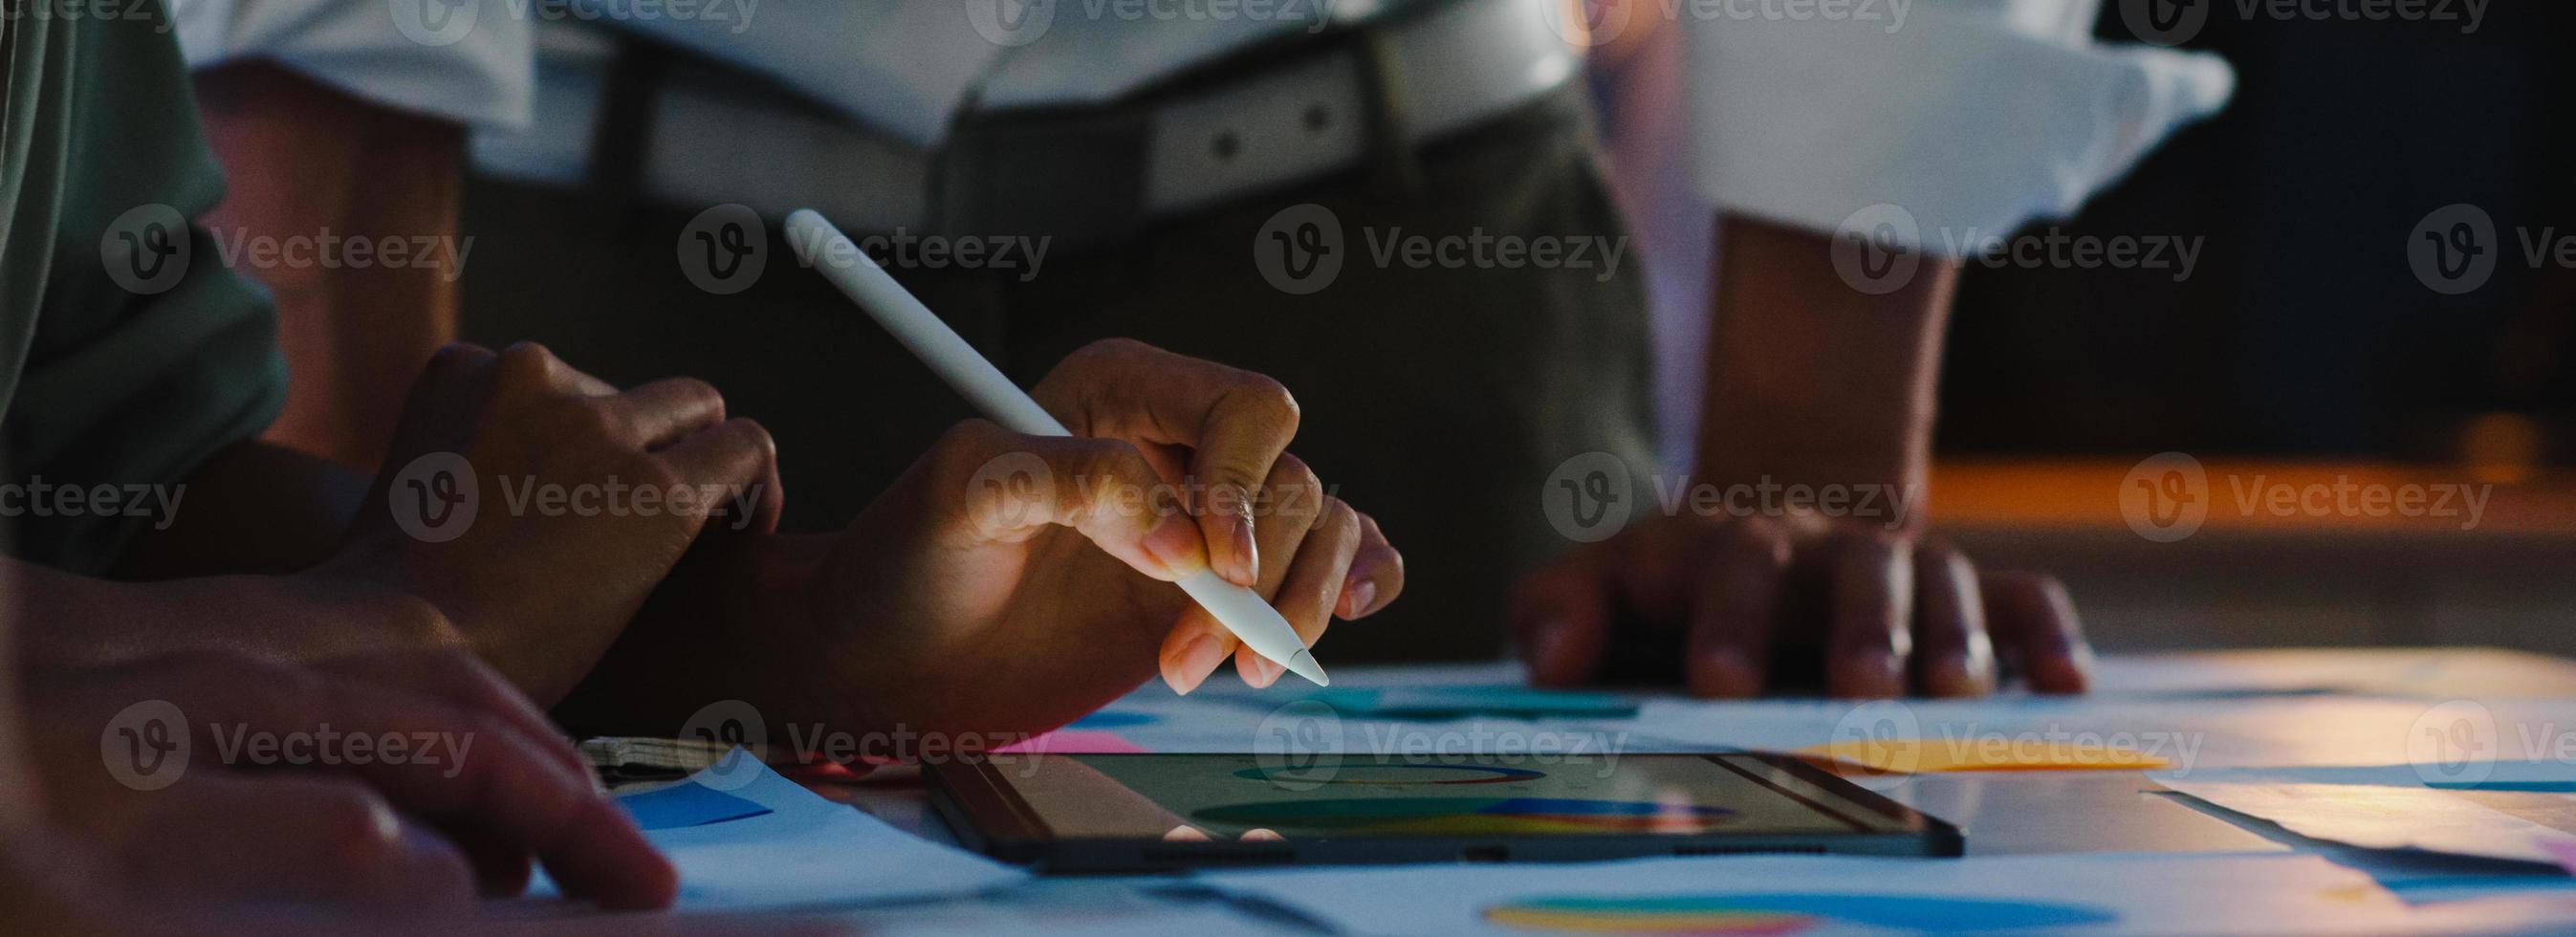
[(1267, 400), (658, 474), (1340, 516), (700, 393), (1293, 489), (753, 436), (357, 828), (1115, 349), (525, 364), (964, 448), (1111, 470), (594, 419)]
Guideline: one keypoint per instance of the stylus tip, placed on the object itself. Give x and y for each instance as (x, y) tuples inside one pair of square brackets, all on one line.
[(1303, 664)]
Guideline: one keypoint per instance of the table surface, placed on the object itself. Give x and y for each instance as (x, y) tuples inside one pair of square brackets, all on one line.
[(2005, 812)]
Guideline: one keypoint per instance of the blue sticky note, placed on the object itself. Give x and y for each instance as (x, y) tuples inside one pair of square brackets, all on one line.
[(687, 804)]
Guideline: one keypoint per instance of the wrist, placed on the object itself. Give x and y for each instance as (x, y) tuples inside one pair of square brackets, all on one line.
[(1810, 380)]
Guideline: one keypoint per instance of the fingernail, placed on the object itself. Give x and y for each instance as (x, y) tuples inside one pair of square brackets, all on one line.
[(1198, 658), (1245, 567), (1265, 672), (1175, 543), (1953, 676), (1356, 601)]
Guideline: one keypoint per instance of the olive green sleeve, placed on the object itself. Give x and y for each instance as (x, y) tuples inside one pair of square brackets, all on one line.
[(147, 354)]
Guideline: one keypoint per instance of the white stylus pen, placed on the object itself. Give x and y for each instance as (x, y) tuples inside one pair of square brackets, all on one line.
[(825, 248)]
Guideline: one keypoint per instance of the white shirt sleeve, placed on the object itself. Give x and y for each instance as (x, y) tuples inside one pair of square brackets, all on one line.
[(471, 61), (1974, 116)]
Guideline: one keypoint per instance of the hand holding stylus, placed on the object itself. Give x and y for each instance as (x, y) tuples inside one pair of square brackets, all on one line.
[(1151, 422)]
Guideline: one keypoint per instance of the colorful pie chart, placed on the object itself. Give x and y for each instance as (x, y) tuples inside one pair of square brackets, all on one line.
[(1783, 914)]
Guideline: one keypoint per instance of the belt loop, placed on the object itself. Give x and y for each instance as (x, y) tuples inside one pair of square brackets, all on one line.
[(1394, 169)]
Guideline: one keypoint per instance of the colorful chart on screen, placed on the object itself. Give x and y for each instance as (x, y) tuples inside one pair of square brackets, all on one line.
[(1394, 775), (1370, 794), (1782, 914), (1428, 816)]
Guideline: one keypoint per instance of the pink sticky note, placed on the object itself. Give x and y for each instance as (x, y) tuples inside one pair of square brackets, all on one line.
[(1078, 742)]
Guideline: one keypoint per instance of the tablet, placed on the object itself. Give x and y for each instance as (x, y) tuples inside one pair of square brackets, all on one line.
[(1141, 812)]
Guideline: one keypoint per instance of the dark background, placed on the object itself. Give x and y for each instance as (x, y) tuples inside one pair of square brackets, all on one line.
[(2303, 331)]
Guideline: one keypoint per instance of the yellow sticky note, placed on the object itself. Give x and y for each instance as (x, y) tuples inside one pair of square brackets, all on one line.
[(1918, 756)]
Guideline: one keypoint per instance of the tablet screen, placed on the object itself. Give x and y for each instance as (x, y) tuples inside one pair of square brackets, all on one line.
[(1253, 797)]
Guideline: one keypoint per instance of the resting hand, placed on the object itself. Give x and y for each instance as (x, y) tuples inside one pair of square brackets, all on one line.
[(495, 788), (1881, 611)]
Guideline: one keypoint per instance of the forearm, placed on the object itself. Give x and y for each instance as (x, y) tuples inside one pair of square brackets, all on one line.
[(307, 161), (70, 621), (236, 569), (256, 507), (1810, 380)]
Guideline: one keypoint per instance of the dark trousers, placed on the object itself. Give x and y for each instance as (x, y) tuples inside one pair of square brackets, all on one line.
[(1438, 398)]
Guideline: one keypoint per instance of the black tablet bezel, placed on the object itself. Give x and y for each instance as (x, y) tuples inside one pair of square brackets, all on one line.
[(988, 815)]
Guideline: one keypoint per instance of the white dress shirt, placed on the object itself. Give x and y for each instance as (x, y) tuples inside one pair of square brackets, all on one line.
[(470, 61), (1975, 116)]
